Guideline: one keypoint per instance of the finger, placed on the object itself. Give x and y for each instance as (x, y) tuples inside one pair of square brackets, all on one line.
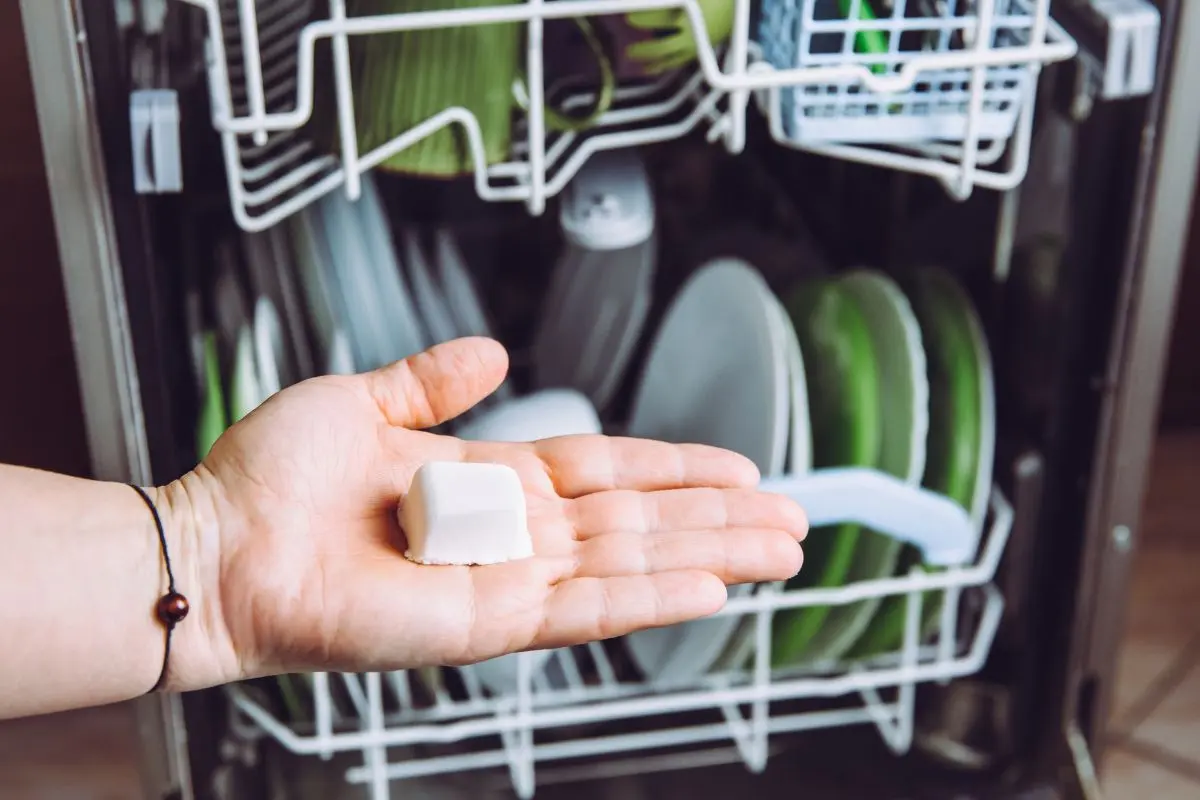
[(746, 555), (684, 509), (439, 384), (588, 609), (582, 465)]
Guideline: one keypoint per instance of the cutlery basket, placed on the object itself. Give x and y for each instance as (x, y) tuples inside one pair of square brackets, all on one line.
[(915, 37), (936, 87)]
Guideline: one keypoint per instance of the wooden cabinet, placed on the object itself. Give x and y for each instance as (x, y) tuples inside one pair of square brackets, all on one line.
[(41, 421)]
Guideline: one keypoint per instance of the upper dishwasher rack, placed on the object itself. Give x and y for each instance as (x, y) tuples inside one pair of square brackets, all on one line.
[(944, 93)]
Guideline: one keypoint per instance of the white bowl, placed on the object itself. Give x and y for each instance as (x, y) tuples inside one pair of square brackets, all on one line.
[(541, 415)]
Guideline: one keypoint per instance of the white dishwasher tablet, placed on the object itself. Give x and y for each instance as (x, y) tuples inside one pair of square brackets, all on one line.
[(461, 514)]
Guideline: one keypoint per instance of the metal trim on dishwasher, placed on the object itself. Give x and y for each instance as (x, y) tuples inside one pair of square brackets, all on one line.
[(90, 261), (1126, 434)]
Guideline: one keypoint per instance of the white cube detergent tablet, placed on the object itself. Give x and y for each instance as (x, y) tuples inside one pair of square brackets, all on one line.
[(465, 514)]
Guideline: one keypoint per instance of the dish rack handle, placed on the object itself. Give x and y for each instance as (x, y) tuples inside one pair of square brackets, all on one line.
[(932, 522)]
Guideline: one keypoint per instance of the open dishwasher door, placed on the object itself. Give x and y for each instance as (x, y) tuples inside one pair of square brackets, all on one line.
[(1023, 726)]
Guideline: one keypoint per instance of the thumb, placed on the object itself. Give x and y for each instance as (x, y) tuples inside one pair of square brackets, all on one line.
[(435, 386)]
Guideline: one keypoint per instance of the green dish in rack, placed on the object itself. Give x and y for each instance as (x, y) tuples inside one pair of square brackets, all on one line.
[(959, 449), (212, 420), (843, 398), (903, 388)]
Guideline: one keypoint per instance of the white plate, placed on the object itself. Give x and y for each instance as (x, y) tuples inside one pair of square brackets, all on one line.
[(353, 274), (274, 368), (462, 298), (340, 360), (459, 288), (717, 374), (310, 258), (245, 394), (431, 305), (335, 287), (896, 337), (799, 462), (799, 459), (267, 282), (290, 303), (405, 337), (544, 414)]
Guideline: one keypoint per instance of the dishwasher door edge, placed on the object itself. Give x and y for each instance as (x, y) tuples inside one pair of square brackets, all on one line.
[(89, 257), (1135, 372)]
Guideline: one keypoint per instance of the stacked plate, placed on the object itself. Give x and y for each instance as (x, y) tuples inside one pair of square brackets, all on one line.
[(870, 409), (855, 370), (725, 369), (356, 294)]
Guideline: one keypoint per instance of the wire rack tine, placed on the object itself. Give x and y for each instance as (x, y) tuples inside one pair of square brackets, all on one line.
[(253, 65), (347, 125)]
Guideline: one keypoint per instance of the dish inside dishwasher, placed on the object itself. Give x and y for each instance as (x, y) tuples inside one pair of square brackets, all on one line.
[(732, 222)]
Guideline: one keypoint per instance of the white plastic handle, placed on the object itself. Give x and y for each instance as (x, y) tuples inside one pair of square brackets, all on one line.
[(932, 522), (609, 205)]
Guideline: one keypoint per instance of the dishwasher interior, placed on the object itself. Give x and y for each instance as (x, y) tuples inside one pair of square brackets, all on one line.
[(970, 173)]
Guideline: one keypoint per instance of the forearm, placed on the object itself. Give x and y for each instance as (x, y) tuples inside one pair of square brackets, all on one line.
[(81, 571)]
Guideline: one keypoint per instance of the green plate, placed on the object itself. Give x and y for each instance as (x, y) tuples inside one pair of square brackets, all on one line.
[(951, 335), (212, 419), (903, 388), (843, 400)]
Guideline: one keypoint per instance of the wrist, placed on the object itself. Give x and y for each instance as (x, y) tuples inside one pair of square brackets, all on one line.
[(201, 652)]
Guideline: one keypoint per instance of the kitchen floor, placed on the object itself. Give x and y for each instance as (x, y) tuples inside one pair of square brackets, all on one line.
[(1154, 751), (1154, 738)]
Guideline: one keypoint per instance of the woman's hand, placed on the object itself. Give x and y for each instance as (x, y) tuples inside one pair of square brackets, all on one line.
[(297, 555)]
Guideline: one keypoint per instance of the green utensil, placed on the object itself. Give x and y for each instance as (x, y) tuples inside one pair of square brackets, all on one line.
[(868, 41), (212, 420), (843, 394), (955, 433), (674, 43)]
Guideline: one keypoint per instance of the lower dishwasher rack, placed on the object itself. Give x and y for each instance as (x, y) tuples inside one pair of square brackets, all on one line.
[(595, 722)]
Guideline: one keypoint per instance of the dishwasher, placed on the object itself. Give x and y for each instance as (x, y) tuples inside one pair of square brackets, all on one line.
[(921, 254)]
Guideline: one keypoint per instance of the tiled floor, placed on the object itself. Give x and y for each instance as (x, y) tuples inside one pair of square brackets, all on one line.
[(1155, 736), (1155, 729)]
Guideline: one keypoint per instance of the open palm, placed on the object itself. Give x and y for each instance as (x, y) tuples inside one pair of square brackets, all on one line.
[(627, 533)]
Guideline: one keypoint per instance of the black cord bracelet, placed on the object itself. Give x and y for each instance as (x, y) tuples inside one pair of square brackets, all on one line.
[(172, 607)]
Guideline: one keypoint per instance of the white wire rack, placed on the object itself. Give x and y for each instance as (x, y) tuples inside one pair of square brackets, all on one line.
[(584, 711), (262, 62)]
